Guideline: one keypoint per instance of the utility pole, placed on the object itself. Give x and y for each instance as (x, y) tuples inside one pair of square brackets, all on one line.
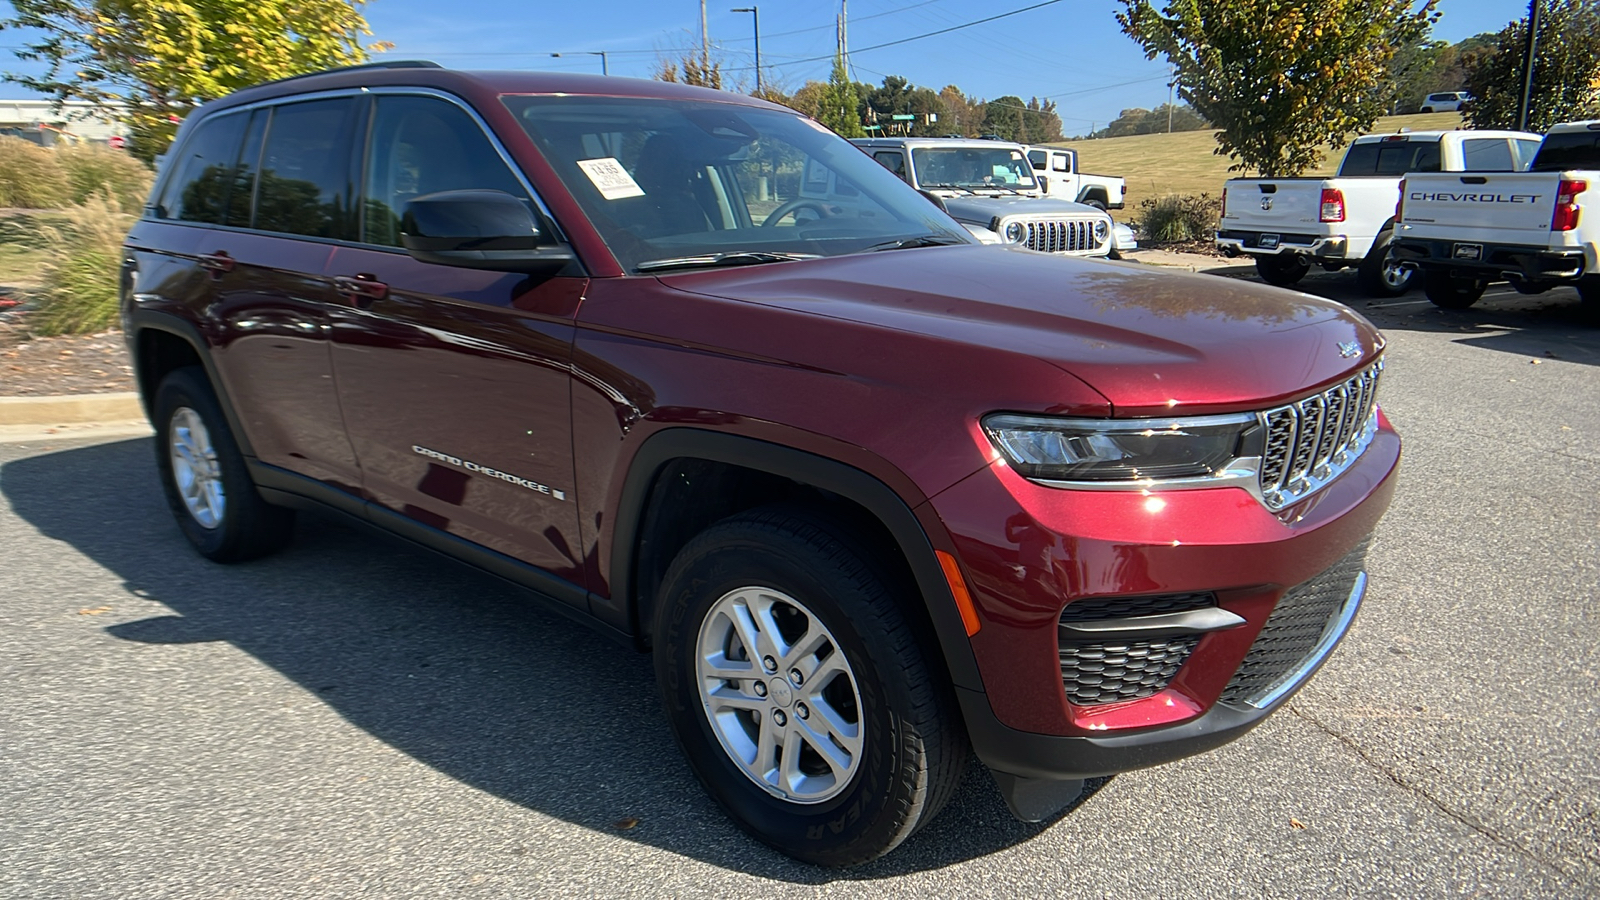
[(1171, 83), (1527, 68), (755, 13), (844, 33), (705, 40)]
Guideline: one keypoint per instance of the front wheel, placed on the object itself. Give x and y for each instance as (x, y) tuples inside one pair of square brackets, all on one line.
[(798, 690), (1380, 275), (204, 477), (1284, 269), (1446, 291)]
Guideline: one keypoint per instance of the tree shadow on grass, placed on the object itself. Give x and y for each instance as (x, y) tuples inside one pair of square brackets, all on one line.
[(453, 667)]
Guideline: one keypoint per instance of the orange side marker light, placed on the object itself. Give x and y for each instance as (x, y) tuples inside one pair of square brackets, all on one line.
[(958, 587)]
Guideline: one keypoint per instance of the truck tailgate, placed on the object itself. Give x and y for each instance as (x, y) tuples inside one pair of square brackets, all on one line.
[(1514, 206), (1286, 205)]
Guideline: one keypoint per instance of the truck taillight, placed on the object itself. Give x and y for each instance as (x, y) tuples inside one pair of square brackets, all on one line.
[(1224, 203), (1400, 204), (1332, 205), (1566, 215)]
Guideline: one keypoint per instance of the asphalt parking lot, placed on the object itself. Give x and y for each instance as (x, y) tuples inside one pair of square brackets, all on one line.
[(358, 718)]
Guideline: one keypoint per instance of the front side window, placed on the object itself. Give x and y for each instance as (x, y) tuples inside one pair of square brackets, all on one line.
[(1036, 158), (303, 181), (202, 176), (971, 168), (1487, 155), (666, 180), (423, 145)]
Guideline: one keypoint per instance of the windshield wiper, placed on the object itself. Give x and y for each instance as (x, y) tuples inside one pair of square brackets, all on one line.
[(924, 240), (715, 260)]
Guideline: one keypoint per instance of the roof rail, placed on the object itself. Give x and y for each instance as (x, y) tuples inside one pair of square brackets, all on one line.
[(393, 64)]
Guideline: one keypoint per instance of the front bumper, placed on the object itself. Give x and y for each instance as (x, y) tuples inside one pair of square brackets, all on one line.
[(1032, 551), (1235, 243), (1532, 264)]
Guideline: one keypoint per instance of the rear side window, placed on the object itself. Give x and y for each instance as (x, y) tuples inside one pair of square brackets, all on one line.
[(1487, 155), (1568, 150), (1063, 162), (303, 181), (204, 174), (1391, 158), (1524, 150)]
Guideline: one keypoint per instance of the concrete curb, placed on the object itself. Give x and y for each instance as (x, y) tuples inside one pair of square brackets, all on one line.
[(70, 409)]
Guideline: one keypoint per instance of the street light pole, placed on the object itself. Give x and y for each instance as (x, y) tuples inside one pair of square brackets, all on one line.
[(755, 15), (1527, 70), (605, 64)]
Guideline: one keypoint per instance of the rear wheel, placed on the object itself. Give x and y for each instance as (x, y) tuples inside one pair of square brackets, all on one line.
[(1284, 269), (1589, 293), (204, 477), (1447, 291), (798, 690), (1379, 275)]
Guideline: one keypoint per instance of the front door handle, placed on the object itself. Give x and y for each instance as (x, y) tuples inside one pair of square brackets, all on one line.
[(217, 263), (363, 290)]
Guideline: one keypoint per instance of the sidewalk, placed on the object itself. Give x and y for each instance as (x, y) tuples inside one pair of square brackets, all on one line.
[(71, 415)]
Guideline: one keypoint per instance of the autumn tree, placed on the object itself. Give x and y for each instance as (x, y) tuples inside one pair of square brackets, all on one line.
[(961, 114), (1566, 70), (701, 71), (1280, 78), (149, 62)]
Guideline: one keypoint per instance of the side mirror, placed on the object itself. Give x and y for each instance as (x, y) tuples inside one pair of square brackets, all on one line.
[(479, 230), (1044, 183), (935, 199)]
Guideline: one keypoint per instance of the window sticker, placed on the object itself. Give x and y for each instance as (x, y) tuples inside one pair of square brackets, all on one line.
[(610, 178)]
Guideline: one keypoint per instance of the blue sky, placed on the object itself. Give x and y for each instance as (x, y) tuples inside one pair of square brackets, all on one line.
[(1070, 51)]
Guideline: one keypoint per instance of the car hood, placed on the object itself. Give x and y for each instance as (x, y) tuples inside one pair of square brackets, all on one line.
[(983, 210), (1152, 342)]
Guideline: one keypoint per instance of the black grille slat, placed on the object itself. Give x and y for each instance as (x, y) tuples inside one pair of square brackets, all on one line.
[(1305, 612), (1058, 236), (1127, 607), (1113, 672)]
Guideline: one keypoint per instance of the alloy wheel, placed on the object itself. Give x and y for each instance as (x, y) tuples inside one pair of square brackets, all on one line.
[(195, 469)]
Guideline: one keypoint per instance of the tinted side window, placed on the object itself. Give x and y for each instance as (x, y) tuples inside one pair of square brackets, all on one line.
[(421, 145), (1568, 150), (242, 194), (1037, 159), (1391, 158), (202, 176), (1524, 150), (893, 160), (1487, 155), (303, 181)]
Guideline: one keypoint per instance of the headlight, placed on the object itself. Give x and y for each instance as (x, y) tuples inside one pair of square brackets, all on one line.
[(1015, 232), (1101, 229), (1054, 449)]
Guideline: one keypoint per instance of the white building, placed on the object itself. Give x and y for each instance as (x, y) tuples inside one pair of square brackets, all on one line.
[(38, 121)]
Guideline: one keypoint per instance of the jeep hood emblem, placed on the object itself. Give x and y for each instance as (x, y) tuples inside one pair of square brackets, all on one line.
[(1349, 349)]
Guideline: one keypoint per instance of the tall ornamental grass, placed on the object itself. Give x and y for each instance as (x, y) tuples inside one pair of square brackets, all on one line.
[(82, 277)]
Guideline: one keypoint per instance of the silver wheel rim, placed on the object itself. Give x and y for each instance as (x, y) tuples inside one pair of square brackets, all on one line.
[(779, 695), (195, 470), (1395, 275)]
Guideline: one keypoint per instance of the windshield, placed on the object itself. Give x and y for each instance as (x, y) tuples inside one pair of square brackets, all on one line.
[(971, 168), (1568, 150), (666, 182)]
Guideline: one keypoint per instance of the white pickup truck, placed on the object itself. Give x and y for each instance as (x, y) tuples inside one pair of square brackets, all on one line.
[(1057, 170), (1462, 231), (1347, 220)]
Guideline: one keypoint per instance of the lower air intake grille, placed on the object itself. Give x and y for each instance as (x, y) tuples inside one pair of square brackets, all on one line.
[(1295, 626), (1112, 671)]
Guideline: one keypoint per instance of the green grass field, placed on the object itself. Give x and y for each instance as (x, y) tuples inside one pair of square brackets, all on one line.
[(1182, 163)]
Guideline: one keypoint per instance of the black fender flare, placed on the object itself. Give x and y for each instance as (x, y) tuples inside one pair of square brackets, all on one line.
[(831, 475), (139, 320)]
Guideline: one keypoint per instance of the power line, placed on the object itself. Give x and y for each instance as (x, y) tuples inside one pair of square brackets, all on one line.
[(918, 37)]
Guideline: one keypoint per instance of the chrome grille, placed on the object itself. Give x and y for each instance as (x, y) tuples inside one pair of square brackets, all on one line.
[(1060, 235), (1312, 440)]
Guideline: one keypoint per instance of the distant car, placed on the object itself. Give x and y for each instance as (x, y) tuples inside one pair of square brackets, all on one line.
[(1449, 101)]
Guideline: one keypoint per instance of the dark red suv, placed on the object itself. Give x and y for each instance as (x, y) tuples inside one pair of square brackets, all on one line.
[(704, 376)]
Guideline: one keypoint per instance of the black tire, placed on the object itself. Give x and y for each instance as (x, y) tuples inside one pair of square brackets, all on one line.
[(912, 749), (1095, 202), (1426, 109), (1378, 276), (244, 526), (1589, 292), (1283, 269), (1446, 291)]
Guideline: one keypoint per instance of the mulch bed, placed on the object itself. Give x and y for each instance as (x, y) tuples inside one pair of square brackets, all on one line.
[(68, 364)]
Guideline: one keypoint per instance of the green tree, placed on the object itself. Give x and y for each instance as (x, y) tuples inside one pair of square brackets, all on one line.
[(1280, 78), (1005, 116), (839, 106), (149, 62), (1566, 70)]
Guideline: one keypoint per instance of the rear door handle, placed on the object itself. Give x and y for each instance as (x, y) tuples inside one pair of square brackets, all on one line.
[(363, 290), (218, 262)]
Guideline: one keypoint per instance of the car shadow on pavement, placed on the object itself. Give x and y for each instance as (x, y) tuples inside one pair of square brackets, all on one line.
[(461, 671)]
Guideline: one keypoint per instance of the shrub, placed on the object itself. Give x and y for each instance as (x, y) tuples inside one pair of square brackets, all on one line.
[(31, 177), (82, 278), (1179, 217), (91, 168)]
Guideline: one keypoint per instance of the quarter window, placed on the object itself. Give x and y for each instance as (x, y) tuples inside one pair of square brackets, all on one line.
[(203, 175), (423, 145), (303, 183)]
